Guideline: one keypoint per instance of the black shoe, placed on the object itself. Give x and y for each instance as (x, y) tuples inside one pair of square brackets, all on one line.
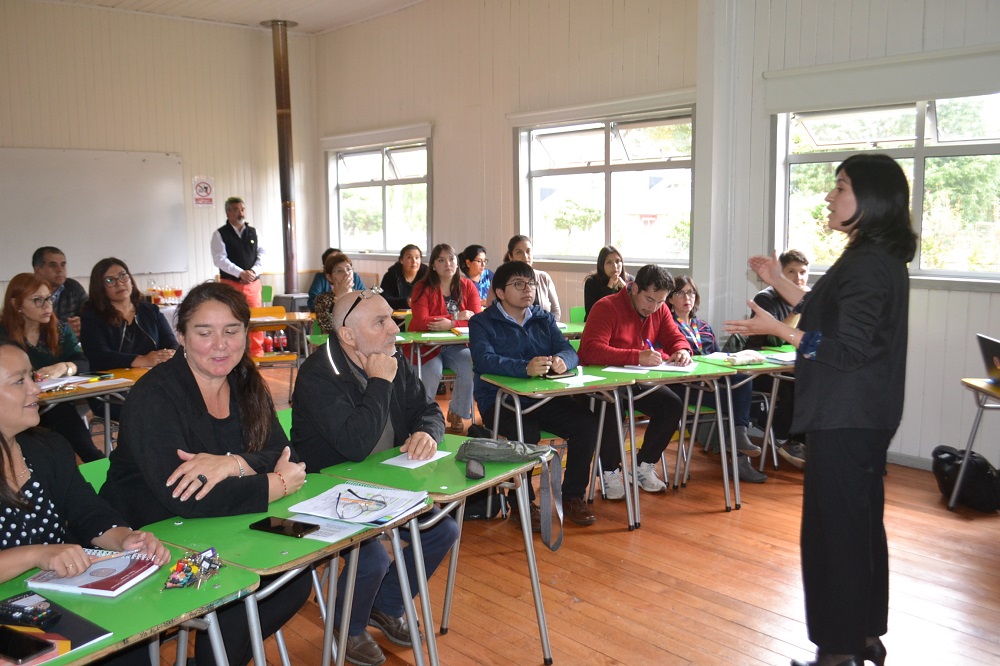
[(850, 660), (747, 472), (395, 629), (875, 653), (362, 650), (578, 512)]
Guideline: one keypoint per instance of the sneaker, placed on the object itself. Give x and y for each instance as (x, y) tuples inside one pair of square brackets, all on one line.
[(648, 480), (456, 425), (793, 453), (743, 443), (614, 489), (578, 512), (395, 629), (747, 472)]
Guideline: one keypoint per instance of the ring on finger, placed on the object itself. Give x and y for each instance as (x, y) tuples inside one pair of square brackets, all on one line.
[(203, 479)]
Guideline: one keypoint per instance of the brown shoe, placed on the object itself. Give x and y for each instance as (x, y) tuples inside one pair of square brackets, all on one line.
[(395, 628), (536, 516), (362, 650), (456, 425), (578, 511)]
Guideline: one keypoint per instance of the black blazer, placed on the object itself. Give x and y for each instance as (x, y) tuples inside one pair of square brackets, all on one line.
[(164, 412), (857, 377)]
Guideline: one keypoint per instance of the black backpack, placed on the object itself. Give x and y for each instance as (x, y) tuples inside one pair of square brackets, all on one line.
[(980, 485)]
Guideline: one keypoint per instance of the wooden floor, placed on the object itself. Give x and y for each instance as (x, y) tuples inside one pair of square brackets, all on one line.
[(698, 585)]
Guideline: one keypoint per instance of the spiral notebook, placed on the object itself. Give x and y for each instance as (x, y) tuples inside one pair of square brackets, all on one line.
[(107, 578)]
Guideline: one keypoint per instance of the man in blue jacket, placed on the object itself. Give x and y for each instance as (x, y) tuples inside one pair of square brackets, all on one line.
[(513, 337)]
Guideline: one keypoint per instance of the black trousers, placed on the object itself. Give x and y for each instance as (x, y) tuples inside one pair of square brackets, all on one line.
[(845, 558), (568, 419), (663, 408), (65, 420)]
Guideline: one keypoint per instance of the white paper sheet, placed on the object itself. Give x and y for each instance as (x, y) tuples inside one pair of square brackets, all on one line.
[(403, 461)]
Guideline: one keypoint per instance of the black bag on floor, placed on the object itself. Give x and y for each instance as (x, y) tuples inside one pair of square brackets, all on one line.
[(980, 485), (477, 503)]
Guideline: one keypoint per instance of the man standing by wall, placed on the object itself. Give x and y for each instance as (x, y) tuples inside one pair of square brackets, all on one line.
[(238, 256), (68, 295)]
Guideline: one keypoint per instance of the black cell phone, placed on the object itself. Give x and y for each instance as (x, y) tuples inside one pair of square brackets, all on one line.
[(19, 647), (292, 528)]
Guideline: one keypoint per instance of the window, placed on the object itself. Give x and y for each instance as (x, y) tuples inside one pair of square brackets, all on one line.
[(378, 197), (950, 151), (625, 182)]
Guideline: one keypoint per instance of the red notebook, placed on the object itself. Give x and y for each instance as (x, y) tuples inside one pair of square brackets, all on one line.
[(108, 578)]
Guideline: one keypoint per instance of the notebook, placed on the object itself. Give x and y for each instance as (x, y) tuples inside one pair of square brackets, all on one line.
[(107, 578), (991, 356), (69, 632)]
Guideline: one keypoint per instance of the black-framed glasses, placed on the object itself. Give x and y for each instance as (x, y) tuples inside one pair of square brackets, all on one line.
[(121, 278), (375, 290), (40, 301), (350, 505), (522, 285)]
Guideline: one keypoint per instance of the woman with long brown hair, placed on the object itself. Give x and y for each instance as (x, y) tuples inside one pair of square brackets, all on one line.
[(441, 299), (28, 321), (199, 437)]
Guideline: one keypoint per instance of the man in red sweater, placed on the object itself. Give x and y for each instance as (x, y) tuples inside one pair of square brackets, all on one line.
[(634, 327)]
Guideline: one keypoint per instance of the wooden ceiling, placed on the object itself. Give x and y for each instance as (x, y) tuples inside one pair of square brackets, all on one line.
[(313, 16)]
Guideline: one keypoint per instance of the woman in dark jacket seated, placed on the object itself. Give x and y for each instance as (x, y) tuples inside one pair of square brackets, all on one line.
[(117, 328), (609, 278), (397, 283), (199, 437), (29, 322)]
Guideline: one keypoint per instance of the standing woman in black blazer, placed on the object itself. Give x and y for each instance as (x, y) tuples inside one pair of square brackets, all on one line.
[(849, 380)]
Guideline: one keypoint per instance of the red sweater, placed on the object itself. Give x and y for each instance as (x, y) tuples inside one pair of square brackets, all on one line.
[(427, 304), (615, 333)]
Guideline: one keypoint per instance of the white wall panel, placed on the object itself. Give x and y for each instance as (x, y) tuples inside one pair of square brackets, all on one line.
[(73, 77)]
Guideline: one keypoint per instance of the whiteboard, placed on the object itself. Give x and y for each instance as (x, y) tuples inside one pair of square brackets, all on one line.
[(92, 204)]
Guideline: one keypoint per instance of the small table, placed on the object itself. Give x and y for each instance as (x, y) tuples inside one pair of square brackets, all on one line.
[(272, 554), (604, 387), (301, 321), (105, 390), (424, 343), (145, 610), (445, 481), (987, 397)]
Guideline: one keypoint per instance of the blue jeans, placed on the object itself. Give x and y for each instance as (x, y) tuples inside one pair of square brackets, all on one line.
[(459, 359), (377, 583)]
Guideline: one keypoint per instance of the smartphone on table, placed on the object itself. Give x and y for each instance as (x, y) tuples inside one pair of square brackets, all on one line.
[(284, 526), (20, 647)]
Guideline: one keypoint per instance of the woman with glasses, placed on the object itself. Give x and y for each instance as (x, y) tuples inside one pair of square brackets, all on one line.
[(519, 249), (440, 300), (320, 283), (397, 283), (683, 301), (199, 437), (339, 272), (472, 260), (117, 328), (28, 322), (609, 278)]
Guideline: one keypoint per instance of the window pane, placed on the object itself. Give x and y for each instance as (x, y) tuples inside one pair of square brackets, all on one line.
[(406, 162), (582, 145), (808, 185), (406, 215), (567, 215), (961, 220), (968, 118), (861, 130), (639, 142), (361, 218), (360, 167), (651, 214)]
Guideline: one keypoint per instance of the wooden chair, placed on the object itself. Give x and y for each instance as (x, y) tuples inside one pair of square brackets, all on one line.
[(285, 359)]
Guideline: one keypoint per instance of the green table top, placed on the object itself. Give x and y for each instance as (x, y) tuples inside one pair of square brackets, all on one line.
[(143, 611), (570, 331), (782, 348), (261, 552), (443, 479), (766, 368), (537, 387)]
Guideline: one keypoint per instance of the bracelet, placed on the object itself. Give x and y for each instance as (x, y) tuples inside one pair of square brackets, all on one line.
[(283, 484), (243, 472)]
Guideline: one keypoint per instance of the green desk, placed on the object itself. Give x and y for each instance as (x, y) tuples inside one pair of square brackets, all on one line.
[(423, 343), (272, 554), (605, 388), (778, 372), (145, 610), (444, 480)]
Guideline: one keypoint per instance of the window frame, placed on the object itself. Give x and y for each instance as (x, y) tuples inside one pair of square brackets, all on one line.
[(525, 188), (919, 153)]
